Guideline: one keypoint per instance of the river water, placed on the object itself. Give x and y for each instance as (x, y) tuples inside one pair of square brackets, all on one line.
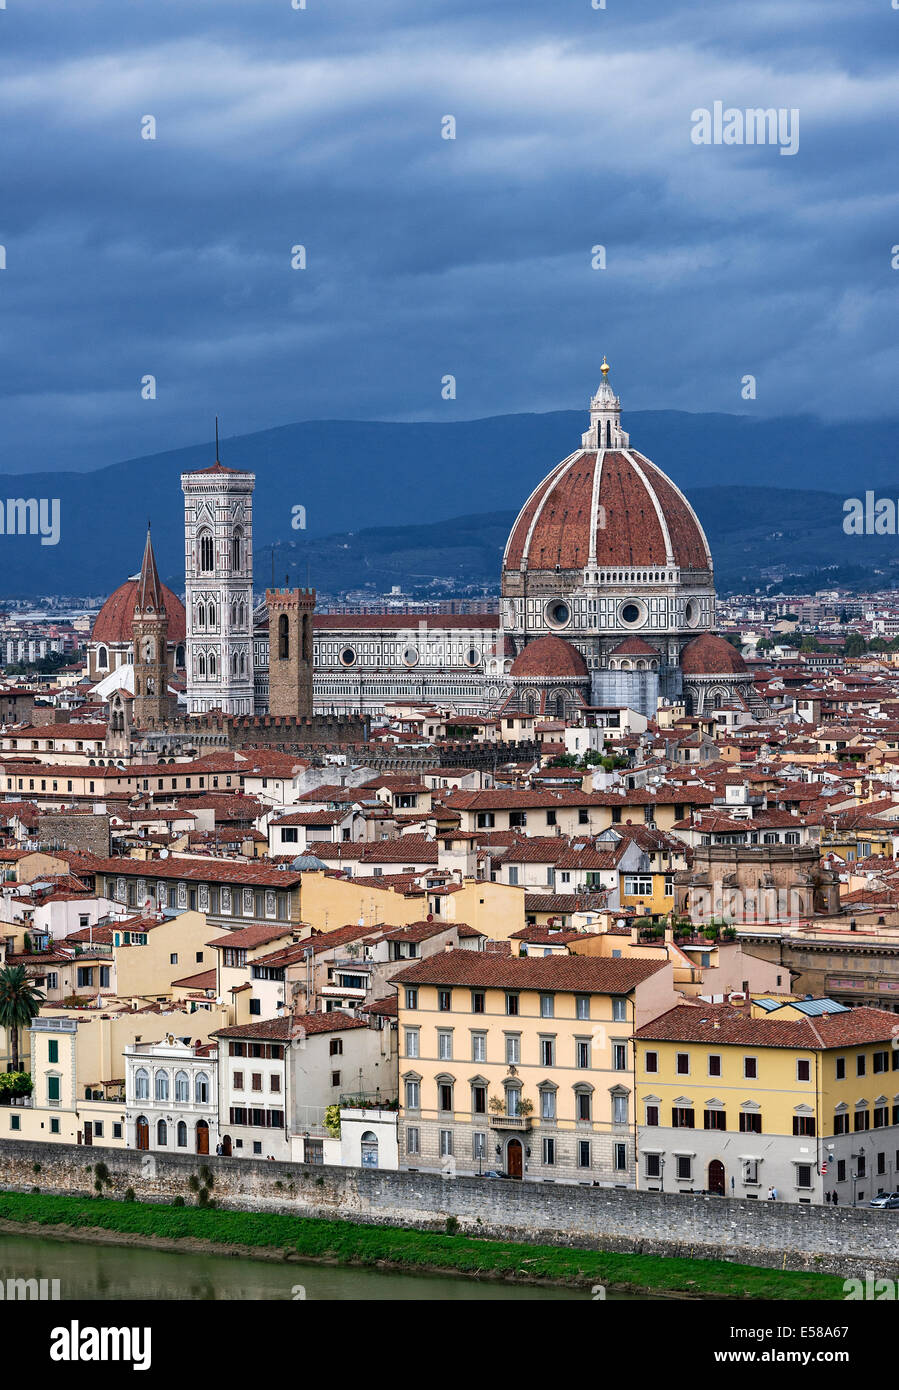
[(111, 1272)]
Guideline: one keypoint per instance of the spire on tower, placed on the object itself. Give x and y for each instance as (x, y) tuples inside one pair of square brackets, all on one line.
[(149, 589)]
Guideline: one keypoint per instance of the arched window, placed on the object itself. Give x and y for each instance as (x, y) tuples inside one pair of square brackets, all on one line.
[(201, 664), (182, 1086), (283, 637), (142, 1084), (182, 1135), (212, 666), (212, 615), (201, 1088), (207, 552), (369, 1149), (148, 649), (162, 1134), (151, 686), (241, 616), (234, 615), (162, 1085), (235, 663), (103, 658), (243, 663), (236, 549), (201, 615), (179, 656)]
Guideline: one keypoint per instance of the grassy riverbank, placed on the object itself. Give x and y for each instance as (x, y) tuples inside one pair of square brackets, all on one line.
[(276, 1236)]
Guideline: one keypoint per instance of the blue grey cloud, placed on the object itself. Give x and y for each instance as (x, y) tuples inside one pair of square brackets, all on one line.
[(429, 257)]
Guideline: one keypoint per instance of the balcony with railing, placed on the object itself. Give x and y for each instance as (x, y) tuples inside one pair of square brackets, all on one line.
[(499, 1119)]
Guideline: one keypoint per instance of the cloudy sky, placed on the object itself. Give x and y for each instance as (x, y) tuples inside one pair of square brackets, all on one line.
[(427, 257)]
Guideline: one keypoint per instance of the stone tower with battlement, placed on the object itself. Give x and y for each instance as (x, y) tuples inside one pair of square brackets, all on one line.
[(290, 651)]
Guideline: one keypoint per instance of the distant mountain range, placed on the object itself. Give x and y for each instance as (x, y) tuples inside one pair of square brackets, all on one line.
[(754, 533), (399, 503)]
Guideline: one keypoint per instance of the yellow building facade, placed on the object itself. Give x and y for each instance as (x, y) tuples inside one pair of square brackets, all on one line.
[(523, 1065), (802, 1098)]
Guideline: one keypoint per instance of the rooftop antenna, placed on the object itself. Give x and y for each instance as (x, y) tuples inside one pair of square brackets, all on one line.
[(273, 566), (216, 439)]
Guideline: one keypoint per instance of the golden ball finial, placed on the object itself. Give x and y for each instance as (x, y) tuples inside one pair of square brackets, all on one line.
[(605, 368)]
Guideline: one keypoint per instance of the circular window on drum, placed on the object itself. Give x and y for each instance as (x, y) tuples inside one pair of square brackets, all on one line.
[(348, 656), (632, 612), (410, 656), (558, 614), (472, 657), (692, 612)]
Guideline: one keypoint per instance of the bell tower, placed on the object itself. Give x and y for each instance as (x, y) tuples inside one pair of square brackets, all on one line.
[(218, 578), (290, 651), (150, 626)]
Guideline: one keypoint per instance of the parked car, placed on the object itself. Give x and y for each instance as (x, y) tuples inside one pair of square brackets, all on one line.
[(494, 1173), (887, 1200)]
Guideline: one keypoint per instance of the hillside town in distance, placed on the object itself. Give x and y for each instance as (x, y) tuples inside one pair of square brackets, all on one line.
[(592, 882)]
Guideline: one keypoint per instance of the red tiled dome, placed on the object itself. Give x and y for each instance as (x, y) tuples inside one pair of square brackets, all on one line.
[(113, 622), (634, 646), (630, 514), (712, 656), (552, 657)]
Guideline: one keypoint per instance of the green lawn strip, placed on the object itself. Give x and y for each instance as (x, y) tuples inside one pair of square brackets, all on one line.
[(350, 1243)]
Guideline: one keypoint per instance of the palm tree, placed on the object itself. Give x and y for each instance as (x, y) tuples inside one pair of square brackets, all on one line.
[(19, 1003)]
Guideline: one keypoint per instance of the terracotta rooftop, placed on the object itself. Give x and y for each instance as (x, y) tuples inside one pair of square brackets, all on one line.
[(285, 1029), (580, 974), (720, 1024)]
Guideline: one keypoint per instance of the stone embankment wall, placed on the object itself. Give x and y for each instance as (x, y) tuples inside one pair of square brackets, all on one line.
[(838, 1240)]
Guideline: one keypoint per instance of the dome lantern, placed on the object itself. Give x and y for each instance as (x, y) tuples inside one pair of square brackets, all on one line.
[(605, 430)]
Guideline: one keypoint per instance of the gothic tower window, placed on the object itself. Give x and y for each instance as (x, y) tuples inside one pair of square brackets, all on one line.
[(207, 558), (212, 666), (201, 665), (211, 615), (283, 637), (201, 615), (307, 638), (236, 549)]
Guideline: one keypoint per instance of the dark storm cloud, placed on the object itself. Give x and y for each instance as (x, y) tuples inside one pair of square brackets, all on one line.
[(429, 257)]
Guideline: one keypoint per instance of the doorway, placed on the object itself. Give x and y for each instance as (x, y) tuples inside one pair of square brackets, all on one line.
[(202, 1137), (226, 1145), (88, 1132), (143, 1132), (716, 1177), (514, 1159)]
